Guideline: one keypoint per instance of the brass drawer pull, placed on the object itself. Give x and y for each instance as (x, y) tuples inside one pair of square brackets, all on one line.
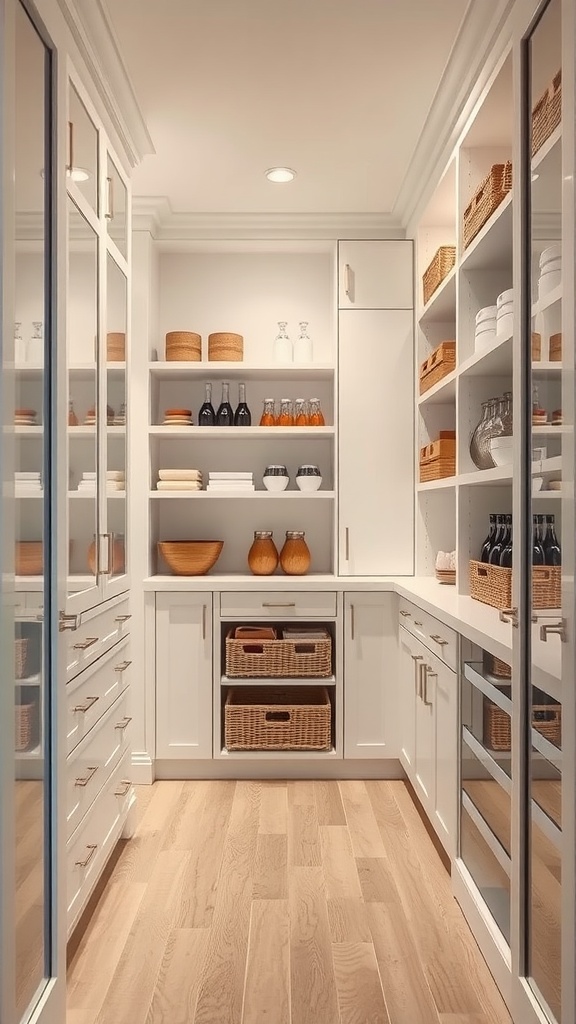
[(122, 792), (91, 773), (83, 645), (405, 615), (287, 604), (91, 851), (122, 618), (438, 640), (125, 722), (86, 705), (122, 666)]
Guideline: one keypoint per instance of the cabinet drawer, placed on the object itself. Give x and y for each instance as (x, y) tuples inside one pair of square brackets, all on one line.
[(98, 630), (91, 693), (93, 842), (94, 759), (440, 639), (283, 605)]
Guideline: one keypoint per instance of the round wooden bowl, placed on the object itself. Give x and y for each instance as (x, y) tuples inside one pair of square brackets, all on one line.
[(29, 560), (118, 557), (190, 557), (227, 348), (183, 346), (115, 347)]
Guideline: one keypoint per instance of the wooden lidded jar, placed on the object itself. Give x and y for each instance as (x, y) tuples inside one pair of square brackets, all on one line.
[(263, 555), (183, 346), (295, 555)]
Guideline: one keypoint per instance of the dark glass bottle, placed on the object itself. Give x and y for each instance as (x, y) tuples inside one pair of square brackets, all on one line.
[(552, 550), (242, 416), (499, 541), (207, 416), (506, 554), (487, 545), (537, 549), (225, 414)]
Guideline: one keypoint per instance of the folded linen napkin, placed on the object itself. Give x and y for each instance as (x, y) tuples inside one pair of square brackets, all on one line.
[(179, 485), (180, 474)]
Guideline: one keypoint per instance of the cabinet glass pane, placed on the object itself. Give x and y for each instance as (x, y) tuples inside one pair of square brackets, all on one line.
[(82, 315), (116, 298), (488, 796), (82, 166), (488, 873), (116, 207)]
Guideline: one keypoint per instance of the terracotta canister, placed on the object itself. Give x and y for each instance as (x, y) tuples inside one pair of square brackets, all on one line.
[(263, 555), (117, 555), (295, 555)]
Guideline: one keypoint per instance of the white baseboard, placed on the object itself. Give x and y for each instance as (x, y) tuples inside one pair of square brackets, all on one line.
[(143, 773), (281, 769)]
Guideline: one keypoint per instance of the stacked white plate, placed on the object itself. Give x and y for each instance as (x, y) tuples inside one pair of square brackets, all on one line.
[(485, 331), (505, 314), (550, 270)]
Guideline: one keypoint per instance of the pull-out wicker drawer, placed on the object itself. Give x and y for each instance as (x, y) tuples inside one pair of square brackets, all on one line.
[(90, 694), (98, 630), (278, 605), (270, 718)]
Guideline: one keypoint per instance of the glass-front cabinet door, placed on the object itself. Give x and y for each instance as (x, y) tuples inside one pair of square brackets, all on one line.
[(115, 428)]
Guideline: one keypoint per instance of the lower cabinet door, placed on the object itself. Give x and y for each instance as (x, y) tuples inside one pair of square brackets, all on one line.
[(184, 676), (425, 753), (370, 673), (446, 793), (408, 689)]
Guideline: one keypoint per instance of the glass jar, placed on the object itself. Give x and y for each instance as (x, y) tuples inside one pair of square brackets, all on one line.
[(300, 414), (295, 555), (72, 417), (263, 554), (268, 417), (477, 453), (286, 417), (282, 344), (315, 416)]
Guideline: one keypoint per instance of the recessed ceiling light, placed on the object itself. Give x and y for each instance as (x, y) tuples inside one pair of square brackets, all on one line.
[(280, 174)]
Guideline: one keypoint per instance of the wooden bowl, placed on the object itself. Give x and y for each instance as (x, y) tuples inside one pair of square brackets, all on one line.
[(29, 559), (190, 557)]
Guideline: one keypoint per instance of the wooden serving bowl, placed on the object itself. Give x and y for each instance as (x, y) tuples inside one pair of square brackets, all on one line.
[(190, 557)]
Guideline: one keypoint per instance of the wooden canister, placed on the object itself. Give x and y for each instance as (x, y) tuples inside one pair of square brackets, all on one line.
[(226, 348), (536, 347), (295, 555), (183, 346), (556, 348), (263, 555), (115, 347)]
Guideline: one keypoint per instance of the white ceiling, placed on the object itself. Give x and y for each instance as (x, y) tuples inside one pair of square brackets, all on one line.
[(337, 89)]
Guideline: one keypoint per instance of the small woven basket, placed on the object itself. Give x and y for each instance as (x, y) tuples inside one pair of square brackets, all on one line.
[(546, 720), (261, 718), (439, 268), (21, 657), (226, 348), (298, 659), (487, 198), (25, 726), (555, 353), (494, 667), (440, 363), (438, 459), (115, 347), (492, 585), (547, 113), (183, 346)]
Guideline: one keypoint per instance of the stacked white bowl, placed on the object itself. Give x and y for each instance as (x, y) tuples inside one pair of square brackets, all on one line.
[(501, 450), (505, 314), (485, 331), (550, 269)]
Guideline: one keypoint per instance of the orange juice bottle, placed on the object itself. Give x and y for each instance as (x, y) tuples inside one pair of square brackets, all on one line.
[(286, 417), (300, 416), (267, 418), (316, 419)]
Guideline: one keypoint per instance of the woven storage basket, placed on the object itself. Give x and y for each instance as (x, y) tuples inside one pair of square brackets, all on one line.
[(497, 733), (555, 353), (492, 585), (282, 658), (183, 346), (226, 348), (438, 269), (486, 199), (262, 718), (25, 726), (547, 113), (438, 365), (494, 667), (28, 558), (536, 347), (21, 658), (115, 347), (438, 459)]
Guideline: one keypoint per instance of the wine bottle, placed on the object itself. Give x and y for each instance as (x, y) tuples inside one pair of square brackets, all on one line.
[(537, 549), (499, 541), (242, 416), (487, 545), (206, 415), (225, 414), (506, 554), (552, 550)]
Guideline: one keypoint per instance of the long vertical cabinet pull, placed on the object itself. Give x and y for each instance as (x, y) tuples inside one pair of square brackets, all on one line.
[(352, 624), (417, 658), (70, 164), (203, 621), (347, 281), (347, 544), (109, 199), (428, 674)]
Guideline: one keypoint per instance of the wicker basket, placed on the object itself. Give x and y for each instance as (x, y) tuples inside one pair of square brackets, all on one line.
[(438, 365), (492, 585), (183, 346), (439, 268), (547, 113), (25, 726), (28, 558), (555, 353), (262, 718), (297, 659), (497, 733), (438, 460), (486, 199), (115, 347), (494, 667), (226, 348), (536, 347), (21, 658)]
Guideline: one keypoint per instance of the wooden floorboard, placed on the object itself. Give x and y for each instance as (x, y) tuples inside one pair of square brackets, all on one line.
[(280, 903)]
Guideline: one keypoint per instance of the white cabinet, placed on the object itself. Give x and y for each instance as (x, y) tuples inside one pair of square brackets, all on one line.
[(376, 478), (408, 684), (184, 675), (375, 275), (370, 671)]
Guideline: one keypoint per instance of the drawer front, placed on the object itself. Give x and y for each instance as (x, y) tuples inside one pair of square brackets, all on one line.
[(90, 765), (99, 629), (90, 694), (440, 639), (283, 605), (92, 843)]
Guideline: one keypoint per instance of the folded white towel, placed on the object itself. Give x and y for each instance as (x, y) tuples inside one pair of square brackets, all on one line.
[(179, 485), (115, 474), (88, 476), (230, 476), (180, 474)]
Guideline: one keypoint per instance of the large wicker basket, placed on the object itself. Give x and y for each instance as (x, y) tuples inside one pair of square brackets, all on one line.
[(547, 113), (440, 363), (438, 269), (262, 718), (183, 346), (486, 199), (25, 726), (21, 657), (283, 659), (492, 585), (546, 720), (225, 347)]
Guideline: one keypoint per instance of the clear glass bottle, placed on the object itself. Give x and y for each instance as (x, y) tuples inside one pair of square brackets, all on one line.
[(263, 554), (242, 416), (295, 555), (286, 417), (268, 417), (72, 417), (315, 415), (225, 414), (206, 415), (303, 345), (300, 414), (282, 345)]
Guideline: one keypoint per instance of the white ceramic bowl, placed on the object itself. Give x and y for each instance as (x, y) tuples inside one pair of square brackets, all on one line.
[(275, 483), (537, 482), (308, 483), (503, 454)]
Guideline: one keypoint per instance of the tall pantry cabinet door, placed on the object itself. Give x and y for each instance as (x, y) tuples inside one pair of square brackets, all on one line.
[(375, 275), (184, 676), (375, 427), (370, 675)]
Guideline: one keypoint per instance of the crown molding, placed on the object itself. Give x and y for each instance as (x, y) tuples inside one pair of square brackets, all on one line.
[(154, 214), (476, 50), (91, 29)]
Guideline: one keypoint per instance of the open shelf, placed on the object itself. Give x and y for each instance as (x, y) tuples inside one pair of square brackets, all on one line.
[(240, 371), (241, 433), (492, 247), (250, 495), (442, 392), (549, 300), (441, 306), (546, 151), (446, 483), (493, 361), (275, 681)]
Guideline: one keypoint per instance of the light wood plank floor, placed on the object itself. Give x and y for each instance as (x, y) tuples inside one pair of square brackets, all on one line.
[(279, 903)]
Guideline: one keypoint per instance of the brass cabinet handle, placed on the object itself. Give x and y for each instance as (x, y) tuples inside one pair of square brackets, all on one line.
[(86, 705), (68, 621), (109, 548), (83, 645), (438, 640), (127, 784), (91, 773), (509, 615), (416, 658), (91, 851), (405, 615), (287, 604), (122, 666), (125, 721), (122, 618)]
